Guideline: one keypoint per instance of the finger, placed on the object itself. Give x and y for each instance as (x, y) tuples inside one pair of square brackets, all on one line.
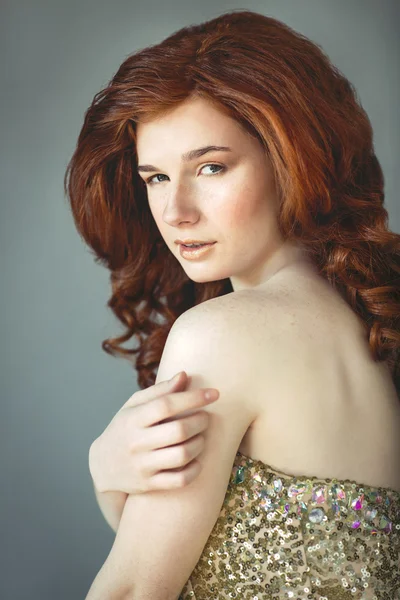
[(175, 457), (167, 407), (177, 431), (162, 387), (167, 480)]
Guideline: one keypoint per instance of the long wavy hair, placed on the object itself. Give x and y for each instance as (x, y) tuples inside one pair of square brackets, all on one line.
[(287, 94)]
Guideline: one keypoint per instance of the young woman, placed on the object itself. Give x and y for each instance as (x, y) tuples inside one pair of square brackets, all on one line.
[(240, 135)]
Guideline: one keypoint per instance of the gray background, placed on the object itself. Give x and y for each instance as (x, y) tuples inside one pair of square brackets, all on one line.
[(58, 388)]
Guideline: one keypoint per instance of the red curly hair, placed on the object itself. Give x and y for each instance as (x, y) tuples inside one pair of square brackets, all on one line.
[(286, 93)]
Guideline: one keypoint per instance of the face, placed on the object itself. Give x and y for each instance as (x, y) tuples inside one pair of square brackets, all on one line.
[(223, 196)]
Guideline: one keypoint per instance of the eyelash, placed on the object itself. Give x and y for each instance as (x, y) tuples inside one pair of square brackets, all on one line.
[(222, 169)]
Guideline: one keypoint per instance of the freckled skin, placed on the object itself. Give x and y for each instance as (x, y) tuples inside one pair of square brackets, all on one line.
[(236, 207)]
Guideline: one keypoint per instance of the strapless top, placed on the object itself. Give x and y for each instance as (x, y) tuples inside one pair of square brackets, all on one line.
[(281, 536)]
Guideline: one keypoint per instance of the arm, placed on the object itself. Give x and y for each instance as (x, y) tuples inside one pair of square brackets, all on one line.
[(111, 502), (162, 534), (111, 505), (106, 586)]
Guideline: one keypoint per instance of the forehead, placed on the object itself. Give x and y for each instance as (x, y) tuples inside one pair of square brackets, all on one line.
[(187, 126)]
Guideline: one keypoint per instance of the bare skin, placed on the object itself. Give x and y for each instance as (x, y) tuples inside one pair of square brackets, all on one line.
[(331, 410), (147, 446)]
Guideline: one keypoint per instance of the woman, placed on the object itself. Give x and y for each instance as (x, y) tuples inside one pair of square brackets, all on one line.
[(240, 134)]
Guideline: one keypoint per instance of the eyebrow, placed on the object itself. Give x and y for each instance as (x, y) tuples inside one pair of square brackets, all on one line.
[(188, 156)]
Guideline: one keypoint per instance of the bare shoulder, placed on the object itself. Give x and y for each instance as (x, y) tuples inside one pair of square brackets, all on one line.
[(221, 322), (248, 315), (251, 336), (236, 320), (296, 321), (232, 330), (296, 325)]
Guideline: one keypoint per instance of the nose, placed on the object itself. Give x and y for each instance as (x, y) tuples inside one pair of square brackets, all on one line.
[(180, 207)]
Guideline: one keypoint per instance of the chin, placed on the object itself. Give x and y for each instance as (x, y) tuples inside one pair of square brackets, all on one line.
[(200, 279), (205, 278)]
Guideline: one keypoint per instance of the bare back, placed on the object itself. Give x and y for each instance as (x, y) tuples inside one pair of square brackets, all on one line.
[(329, 410)]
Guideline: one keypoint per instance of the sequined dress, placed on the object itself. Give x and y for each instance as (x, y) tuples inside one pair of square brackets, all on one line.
[(280, 536)]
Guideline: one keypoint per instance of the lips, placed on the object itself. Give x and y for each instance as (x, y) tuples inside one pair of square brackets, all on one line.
[(198, 244), (195, 253), (190, 241)]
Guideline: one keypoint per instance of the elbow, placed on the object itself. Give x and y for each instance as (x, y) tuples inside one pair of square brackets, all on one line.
[(102, 590), (111, 595)]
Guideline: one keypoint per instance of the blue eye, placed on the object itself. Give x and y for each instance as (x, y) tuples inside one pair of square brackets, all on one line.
[(150, 181)]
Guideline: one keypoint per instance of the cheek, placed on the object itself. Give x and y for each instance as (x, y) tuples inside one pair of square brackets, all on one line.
[(236, 215), (156, 212), (240, 211)]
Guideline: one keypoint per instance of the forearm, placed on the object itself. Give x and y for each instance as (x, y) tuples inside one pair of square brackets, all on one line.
[(106, 586), (111, 505)]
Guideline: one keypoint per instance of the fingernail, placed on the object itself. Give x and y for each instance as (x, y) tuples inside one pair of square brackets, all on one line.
[(211, 394)]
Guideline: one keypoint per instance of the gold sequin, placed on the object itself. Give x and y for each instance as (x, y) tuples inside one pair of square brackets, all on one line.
[(281, 537)]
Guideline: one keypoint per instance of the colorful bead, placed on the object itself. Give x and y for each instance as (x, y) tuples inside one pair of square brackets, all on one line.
[(280, 536)]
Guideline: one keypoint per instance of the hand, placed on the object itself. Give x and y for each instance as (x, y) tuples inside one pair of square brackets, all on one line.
[(149, 445)]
